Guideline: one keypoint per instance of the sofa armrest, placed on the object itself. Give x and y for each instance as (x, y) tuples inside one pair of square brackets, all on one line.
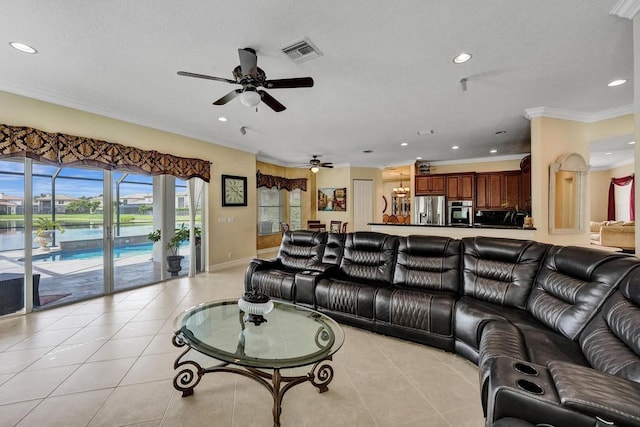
[(607, 397), (257, 265)]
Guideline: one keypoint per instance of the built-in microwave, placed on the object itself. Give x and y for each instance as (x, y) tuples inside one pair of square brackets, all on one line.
[(460, 212)]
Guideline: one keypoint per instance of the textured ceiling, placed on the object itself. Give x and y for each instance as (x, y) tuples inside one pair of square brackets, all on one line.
[(386, 73)]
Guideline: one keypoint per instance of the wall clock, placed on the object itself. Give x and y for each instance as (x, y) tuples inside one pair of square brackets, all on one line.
[(234, 190)]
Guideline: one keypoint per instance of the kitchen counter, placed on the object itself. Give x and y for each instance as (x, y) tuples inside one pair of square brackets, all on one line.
[(455, 231)]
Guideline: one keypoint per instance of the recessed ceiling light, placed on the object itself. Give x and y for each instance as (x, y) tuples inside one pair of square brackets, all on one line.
[(462, 58), (455, 147), (493, 151), (222, 119), (404, 144), (617, 82), (631, 142), (419, 158), (22, 47), (608, 153)]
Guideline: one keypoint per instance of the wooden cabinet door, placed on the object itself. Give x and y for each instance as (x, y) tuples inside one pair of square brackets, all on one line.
[(494, 191), (430, 185), (465, 187), (525, 190), (438, 185), (511, 189), (460, 187), (453, 184), (481, 192)]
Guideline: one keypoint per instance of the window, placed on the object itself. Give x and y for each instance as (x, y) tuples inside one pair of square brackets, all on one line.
[(295, 209), (269, 211)]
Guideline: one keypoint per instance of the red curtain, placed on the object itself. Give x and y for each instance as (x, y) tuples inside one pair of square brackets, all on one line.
[(611, 211)]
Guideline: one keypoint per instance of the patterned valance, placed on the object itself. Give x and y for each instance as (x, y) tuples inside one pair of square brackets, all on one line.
[(69, 150), (281, 183)]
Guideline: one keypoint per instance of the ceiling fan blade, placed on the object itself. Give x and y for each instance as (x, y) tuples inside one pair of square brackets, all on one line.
[(228, 97), (326, 165), (203, 76), (248, 62), (289, 83), (271, 102)]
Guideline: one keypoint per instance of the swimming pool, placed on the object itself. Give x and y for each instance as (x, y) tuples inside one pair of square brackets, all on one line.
[(124, 251)]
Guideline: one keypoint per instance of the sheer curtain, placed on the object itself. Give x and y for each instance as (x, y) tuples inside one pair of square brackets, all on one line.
[(625, 180), (194, 191)]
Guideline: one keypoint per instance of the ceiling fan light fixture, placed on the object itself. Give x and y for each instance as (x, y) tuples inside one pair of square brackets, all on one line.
[(315, 169), (250, 98)]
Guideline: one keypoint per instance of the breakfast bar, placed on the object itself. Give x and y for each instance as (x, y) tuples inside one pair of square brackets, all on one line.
[(454, 231)]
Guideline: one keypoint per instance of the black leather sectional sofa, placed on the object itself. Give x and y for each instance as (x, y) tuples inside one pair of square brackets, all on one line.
[(554, 330)]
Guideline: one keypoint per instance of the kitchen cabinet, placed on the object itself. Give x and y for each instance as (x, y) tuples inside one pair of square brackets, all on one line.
[(460, 187), (525, 190), (498, 190), (430, 185)]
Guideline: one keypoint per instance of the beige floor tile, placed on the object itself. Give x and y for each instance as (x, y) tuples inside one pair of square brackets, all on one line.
[(96, 375), (16, 361), (151, 368), (5, 377), (45, 339), (453, 390), (11, 414), (121, 348), (114, 318), (139, 329), (212, 400), (153, 423), (36, 384), (161, 343), (134, 404), (470, 416), (63, 355), (93, 333), (74, 321), (67, 411)]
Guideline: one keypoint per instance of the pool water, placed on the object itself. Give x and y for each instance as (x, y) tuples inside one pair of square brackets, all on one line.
[(119, 252)]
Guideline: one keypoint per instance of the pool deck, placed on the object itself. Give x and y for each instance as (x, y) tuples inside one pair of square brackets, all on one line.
[(83, 279)]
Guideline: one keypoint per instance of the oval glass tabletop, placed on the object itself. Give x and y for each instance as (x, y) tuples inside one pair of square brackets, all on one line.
[(292, 336)]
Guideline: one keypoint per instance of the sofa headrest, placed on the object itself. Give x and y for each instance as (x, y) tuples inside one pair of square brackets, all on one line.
[(579, 262), (496, 248), (304, 237), (367, 240), (630, 287)]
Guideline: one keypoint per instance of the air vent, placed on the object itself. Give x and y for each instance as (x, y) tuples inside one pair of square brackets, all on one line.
[(301, 51)]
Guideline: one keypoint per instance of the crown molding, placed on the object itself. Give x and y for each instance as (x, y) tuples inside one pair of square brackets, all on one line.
[(626, 8), (578, 116)]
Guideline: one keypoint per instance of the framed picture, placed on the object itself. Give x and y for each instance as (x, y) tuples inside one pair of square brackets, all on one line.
[(234, 190), (332, 199)]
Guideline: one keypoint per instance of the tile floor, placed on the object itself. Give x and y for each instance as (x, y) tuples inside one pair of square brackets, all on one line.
[(109, 362)]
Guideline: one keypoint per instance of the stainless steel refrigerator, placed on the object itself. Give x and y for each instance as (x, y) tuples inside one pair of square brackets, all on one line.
[(429, 210)]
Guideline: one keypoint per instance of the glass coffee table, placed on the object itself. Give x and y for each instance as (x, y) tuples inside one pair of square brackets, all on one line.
[(291, 337)]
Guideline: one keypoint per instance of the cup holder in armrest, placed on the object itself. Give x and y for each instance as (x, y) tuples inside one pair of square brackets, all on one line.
[(530, 387), (525, 369)]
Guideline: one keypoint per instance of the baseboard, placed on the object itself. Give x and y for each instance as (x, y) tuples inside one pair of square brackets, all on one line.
[(230, 264)]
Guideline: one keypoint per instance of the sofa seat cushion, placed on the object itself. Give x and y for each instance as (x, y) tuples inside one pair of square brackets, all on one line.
[(429, 311), (275, 283), (342, 296), (536, 345), (471, 315)]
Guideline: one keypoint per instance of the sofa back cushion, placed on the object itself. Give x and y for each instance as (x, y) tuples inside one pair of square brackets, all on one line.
[(572, 284), (369, 256), (301, 249), (428, 262), (500, 271), (611, 342), (334, 249)]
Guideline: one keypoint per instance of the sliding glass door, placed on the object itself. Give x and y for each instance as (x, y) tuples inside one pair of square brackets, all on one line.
[(133, 212)]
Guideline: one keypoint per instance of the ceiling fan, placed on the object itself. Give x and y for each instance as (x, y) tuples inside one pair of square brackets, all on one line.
[(252, 78), (315, 164)]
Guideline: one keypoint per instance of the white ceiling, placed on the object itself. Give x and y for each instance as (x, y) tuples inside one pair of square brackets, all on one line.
[(386, 73)]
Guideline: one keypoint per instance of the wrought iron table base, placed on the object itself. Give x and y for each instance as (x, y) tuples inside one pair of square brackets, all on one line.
[(191, 372)]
